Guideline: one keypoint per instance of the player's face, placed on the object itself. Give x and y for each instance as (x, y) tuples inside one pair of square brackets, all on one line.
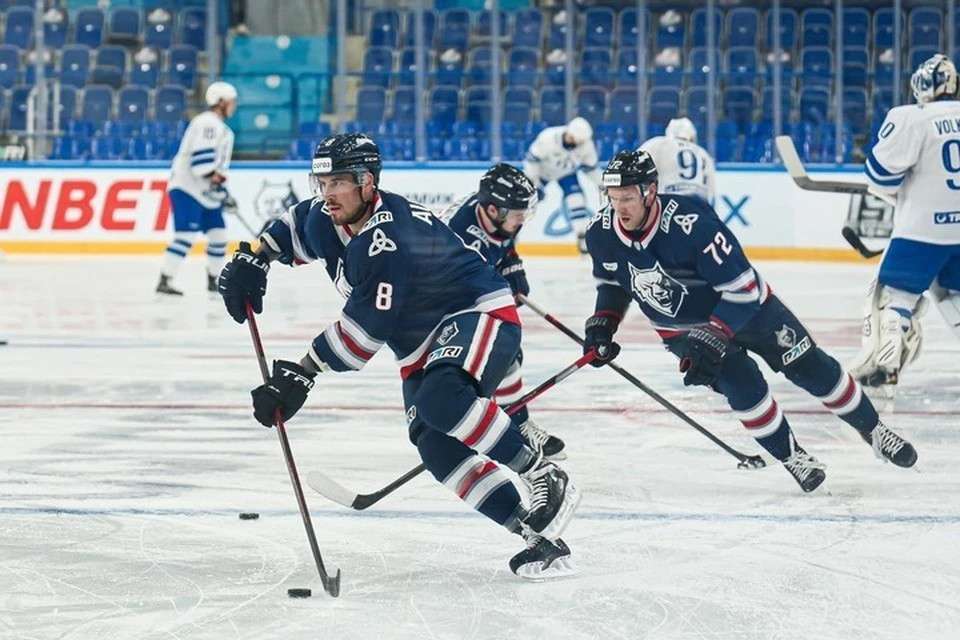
[(628, 206), (511, 224), (342, 194), (229, 108)]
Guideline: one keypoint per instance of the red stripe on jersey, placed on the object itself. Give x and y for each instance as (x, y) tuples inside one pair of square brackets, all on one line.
[(488, 417), (356, 349), (666, 334), (750, 287), (506, 314), (845, 398), (474, 477), (763, 420), (484, 345)]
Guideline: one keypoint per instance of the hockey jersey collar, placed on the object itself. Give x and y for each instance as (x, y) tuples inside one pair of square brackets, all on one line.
[(644, 240), (343, 231)]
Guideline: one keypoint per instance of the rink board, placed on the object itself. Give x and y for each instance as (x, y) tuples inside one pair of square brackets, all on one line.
[(121, 207)]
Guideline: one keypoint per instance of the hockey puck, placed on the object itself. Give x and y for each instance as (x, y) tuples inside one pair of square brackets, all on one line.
[(299, 593), (249, 516)]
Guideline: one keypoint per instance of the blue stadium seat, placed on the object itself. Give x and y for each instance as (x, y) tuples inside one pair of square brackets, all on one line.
[(881, 102), (738, 106), (523, 67), (133, 103), (377, 67), (816, 28), (554, 74), (670, 35), (663, 104), (917, 56), (56, 26), (89, 29), (124, 26), (302, 149), (65, 108), (856, 27), (450, 72), (146, 71), (698, 66), (598, 27), (454, 29), (768, 98), (406, 76), (182, 66), (480, 69), (479, 106), (485, 23), (667, 76), (158, 31), (444, 105), (9, 66), (557, 37), (97, 105), (814, 105), (110, 66), (171, 104), (695, 106), (106, 148), (742, 67), (404, 105), (75, 65), (371, 106), (30, 68), (628, 30), (596, 67), (18, 108), (528, 28), (627, 67), (623, 106), (552, 109), (591, 103), (743, 27), (80, 129), (856, 67), (816, 67), (19, 28), (429, 28), (925, 26), (883, 29), (518, 106), (883, 70), (385, 28), (193, 28), (788, 29), (855, 109), (698, 27)]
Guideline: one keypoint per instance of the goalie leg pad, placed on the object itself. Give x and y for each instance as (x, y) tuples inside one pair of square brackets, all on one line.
[(891, 336), (575, 202)]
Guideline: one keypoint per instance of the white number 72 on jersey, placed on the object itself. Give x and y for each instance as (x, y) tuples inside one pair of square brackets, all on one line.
[(718, 241)]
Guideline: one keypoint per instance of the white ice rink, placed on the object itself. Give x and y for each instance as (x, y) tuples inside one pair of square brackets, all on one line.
[(128, 449)]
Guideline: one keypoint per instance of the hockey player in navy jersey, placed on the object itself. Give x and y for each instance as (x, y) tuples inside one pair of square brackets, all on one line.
[(448, 317), (488, 221), (687, 272)]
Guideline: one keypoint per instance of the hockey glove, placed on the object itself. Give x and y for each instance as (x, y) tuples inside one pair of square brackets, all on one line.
[(701, 354), (599, 337), (511, 268), (286, 390), (244, 279)]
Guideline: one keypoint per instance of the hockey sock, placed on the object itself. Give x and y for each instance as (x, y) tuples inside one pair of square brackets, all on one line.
[(176, 251), (216, 250), (766, 423), (822, 376)]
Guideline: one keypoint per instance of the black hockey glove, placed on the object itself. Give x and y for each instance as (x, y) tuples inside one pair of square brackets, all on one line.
[(599, 337), (511, 268), (244, 279), (286, 390), (701, 354)]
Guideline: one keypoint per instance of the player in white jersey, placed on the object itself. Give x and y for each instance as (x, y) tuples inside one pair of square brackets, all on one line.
[(196, 188), (684, 166), (557, 154), (917, 160)]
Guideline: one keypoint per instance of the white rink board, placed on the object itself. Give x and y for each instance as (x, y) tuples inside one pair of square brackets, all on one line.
[(124, 203)]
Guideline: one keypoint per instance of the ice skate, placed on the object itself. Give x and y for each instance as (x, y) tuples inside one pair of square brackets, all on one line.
[(890, 447), (553, 499), (539, 440), (543, 560), (164, 287), (805, 469)]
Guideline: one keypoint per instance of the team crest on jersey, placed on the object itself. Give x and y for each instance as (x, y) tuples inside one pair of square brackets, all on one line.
[(340, 281), (477, 232), (656, 288), (411, 414), (447, 333), (380, 218), (667, 214), (380, 243), (686, 222)]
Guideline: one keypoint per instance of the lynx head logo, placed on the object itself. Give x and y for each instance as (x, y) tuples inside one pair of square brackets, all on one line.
[(656, 288)]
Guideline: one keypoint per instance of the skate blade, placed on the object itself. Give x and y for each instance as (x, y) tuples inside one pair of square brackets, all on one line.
[(571, 500), (557, 457), (559, 568)]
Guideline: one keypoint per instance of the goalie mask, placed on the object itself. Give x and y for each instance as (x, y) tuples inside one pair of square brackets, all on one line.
[(353, 153), (508, 189), (934, 79)]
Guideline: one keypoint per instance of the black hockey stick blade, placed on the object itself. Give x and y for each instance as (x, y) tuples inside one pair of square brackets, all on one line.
[(854, 240)]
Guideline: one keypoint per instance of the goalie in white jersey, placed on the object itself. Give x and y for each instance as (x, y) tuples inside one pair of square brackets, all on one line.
[(196, 190), (684, 166), (917, 160), (558, 153)]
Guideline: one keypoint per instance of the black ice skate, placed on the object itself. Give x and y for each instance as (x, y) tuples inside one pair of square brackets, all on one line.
[(164, 287), (890, 447), (539, 440), (553, 499), (805, 469), (543, 560), (212, 284)]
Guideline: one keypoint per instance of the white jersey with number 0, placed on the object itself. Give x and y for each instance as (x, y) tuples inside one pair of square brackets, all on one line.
[(206, 147), (548, 160), (917, 157), (682, 167)]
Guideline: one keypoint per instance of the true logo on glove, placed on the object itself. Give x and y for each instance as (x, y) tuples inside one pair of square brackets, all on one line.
[(304, 380)]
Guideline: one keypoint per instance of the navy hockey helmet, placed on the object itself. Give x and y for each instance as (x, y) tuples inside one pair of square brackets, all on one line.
[(508, 189), (631, 168), (354, 153)]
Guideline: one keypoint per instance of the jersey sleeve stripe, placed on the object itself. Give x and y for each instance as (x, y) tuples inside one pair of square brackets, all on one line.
[(340, 350), (603, 282), (876, 173), (202, 161), (204, 152), (360, 337), (349, 343), (742, 281)]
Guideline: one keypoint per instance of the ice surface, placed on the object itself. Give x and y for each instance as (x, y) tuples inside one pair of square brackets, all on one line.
[(128, 450)]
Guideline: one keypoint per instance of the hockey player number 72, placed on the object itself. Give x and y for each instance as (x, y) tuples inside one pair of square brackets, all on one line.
[(718, 241)]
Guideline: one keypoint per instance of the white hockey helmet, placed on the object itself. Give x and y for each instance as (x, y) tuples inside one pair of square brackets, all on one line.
[(218, 91), (580, 130), (682, 129), (935, 78)]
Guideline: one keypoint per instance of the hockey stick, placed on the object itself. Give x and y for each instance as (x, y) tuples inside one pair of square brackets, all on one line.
[(791, 160), (327, 486), (746, 462), (330, 584)]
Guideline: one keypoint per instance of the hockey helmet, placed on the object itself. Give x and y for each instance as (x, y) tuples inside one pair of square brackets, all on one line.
[(354, 153), (508, 189), (580, 130), (682, 129), (631, 168), (220, 91), (935, 78)]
